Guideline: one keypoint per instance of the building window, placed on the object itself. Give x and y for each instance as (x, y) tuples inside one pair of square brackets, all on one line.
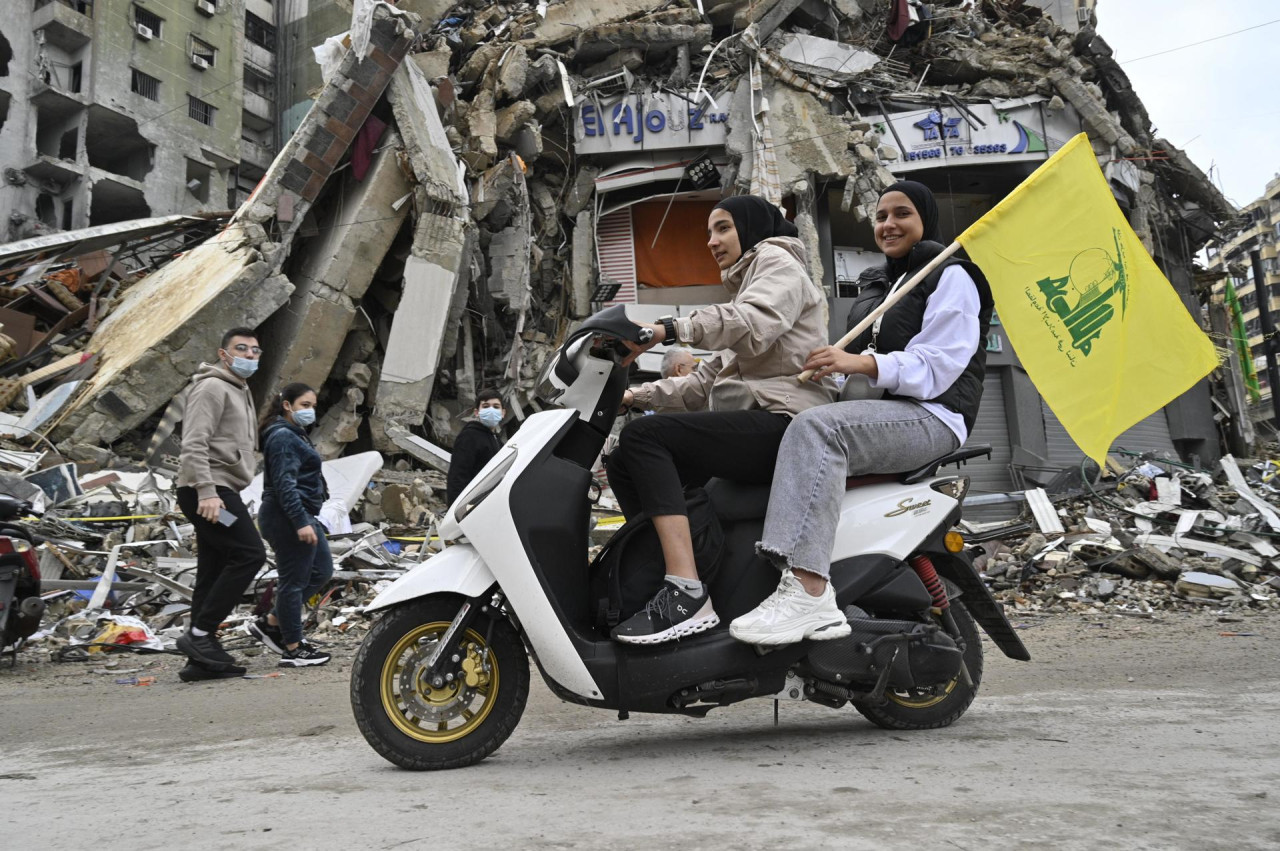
[(150, 20), (145, 85), (258, 83), (259, 31), (202, 50), (200, 111)]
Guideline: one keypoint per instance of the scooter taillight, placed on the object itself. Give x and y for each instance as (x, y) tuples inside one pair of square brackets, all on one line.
[(23, 548)]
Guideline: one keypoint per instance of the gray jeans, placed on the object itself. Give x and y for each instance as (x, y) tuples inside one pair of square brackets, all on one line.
[(825, 445)]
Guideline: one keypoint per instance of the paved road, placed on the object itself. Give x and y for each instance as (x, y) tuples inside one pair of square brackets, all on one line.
[(1121, 734)]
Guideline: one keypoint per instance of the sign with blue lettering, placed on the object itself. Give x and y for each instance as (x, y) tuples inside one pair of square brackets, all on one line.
[(1002, 131), (648, 122)]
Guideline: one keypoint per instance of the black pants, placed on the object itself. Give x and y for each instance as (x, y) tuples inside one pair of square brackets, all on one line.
[(658, 456), (227, 558)]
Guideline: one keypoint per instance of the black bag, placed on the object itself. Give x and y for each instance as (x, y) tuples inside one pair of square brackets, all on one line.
[(621, 591)]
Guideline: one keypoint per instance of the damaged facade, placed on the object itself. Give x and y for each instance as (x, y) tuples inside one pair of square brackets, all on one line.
[(460, 183), (113, 110)]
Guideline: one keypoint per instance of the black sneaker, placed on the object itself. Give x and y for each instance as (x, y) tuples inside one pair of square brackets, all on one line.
[(196, 673), (303, 656), (672, 613), (206, 650), (261, 629)]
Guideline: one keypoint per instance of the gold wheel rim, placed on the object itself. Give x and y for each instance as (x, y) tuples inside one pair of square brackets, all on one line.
[(429, 714), (922, 701)]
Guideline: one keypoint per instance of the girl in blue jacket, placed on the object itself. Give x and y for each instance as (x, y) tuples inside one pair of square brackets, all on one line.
[(293, 492)]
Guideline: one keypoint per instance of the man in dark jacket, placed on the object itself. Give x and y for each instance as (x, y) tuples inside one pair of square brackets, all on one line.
[(476, 443)]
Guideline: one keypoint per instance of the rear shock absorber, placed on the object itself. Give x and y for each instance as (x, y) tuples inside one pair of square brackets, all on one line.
[(929, 576)]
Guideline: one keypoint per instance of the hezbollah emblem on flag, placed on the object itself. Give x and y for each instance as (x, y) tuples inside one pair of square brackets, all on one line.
[(1085, 300), (1100, 331)]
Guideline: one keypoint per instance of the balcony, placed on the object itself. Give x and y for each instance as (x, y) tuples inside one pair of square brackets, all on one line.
[(257, 155), (54, 170), (260, 112), (260, 58), (65, 27)]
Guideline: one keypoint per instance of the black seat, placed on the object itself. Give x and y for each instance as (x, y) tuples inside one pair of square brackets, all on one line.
[(958, 457), (735, 501)]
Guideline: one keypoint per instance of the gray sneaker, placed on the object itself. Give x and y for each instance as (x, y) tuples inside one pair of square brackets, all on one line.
[(303, 656)]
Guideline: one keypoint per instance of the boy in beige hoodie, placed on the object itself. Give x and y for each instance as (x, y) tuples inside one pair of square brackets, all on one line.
[(219, 438)]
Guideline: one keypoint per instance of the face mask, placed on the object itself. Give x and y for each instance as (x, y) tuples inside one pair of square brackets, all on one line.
[(491, 417), (304, 416), (244, 367)]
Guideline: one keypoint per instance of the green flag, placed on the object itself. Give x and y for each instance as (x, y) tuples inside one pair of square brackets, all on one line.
[(1241, 338)]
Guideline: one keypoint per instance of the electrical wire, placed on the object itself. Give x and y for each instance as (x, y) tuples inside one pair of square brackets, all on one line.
[(1198, 43)]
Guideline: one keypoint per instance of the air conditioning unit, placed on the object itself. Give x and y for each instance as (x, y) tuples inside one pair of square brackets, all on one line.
[(1082, 14), (200, 62), (207, 7), (144, 32)]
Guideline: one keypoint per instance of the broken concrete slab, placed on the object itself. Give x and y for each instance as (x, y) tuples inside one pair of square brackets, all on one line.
[(431, 273), (418, 120), (823, 57), (420, 448), (167, 325), (355, 232)]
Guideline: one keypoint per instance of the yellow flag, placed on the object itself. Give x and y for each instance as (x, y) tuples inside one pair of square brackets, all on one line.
[(1102, 334)]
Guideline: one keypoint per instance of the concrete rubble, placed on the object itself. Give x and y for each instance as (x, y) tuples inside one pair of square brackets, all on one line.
[(431, 228)]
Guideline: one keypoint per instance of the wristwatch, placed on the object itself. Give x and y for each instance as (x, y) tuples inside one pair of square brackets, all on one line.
[(668, 324)]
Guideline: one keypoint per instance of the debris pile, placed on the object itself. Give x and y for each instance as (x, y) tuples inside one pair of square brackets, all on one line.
[(1152, 535)]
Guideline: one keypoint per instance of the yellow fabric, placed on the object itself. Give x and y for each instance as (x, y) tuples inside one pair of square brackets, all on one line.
[(1102, 334)]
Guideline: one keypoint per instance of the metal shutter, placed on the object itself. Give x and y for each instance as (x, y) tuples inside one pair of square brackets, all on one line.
[(991, 476), (1152, 434), (617, 252)]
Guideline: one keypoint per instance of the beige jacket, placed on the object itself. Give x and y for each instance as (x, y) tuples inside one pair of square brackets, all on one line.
[(776, 317), (219, 433)]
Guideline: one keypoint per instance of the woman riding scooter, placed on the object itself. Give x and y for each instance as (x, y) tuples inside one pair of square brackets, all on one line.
[(927, 357), (777, 315)]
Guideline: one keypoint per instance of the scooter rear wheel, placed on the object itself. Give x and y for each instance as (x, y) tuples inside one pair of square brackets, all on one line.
[(421, 727), (942, 705)]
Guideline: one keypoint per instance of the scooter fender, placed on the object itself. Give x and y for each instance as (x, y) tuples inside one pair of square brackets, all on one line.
[(457, 570)]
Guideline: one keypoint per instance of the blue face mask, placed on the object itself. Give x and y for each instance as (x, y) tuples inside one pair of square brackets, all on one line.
[(304, 417), (491, 417), (244, 367)]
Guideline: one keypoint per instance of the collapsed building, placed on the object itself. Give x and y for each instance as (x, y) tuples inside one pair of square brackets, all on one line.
[(471, 180)]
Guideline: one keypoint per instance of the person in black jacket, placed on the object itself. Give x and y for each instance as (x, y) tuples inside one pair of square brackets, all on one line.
[(476, 443), (293, 493)]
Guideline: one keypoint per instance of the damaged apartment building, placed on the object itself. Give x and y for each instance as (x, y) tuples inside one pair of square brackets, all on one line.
[(114, 110), (459, 183)]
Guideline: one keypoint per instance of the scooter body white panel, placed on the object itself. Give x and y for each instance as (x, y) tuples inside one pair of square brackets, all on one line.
[(457, 570), (490, 528), (888, 518)]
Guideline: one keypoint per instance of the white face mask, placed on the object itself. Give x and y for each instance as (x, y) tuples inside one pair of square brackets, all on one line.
[(490, 417), (304, 416), (243, 367)]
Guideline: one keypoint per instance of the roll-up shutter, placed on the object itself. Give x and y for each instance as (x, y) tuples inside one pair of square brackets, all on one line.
[(1150, 435), (991, 476)]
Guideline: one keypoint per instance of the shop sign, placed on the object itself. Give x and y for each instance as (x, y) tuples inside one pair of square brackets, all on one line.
[(650, 122), (946, 136)]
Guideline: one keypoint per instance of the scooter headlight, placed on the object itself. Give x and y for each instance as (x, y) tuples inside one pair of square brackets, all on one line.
[(475, 494)]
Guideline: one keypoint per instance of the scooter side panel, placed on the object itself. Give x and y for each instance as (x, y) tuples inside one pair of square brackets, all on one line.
[(888, 518), (457, 570), (491, 529)]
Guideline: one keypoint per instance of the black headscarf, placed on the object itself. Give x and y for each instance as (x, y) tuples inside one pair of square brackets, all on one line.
[(922, 199), (756, 219)]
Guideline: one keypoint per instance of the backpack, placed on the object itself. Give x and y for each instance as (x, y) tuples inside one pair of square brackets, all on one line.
[(621, 591)]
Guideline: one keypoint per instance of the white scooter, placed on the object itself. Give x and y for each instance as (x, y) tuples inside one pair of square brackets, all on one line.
[(442, 677)]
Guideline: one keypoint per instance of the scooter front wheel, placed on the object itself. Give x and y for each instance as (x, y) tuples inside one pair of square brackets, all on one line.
[(423, 727)]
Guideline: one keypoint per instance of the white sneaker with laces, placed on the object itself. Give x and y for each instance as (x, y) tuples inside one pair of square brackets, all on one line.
[(791, 614)]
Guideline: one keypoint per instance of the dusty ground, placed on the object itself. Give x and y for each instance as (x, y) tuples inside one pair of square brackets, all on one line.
[(1121, 733)]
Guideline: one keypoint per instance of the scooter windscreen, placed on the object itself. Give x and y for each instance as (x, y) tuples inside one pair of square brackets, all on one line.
[(601, 336)]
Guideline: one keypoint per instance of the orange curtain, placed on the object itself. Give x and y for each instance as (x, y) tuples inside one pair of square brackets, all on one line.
[(680, 257)]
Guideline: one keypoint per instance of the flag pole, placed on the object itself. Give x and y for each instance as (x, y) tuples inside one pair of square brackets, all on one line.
[(888, 303)]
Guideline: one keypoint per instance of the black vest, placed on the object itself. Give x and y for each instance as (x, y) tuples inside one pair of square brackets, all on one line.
[(904, 320)]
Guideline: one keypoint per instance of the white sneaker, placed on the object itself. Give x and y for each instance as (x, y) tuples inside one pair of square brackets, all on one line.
[(791, 614)]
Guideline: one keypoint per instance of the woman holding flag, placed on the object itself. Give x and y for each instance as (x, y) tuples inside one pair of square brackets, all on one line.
[(924, 362)]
